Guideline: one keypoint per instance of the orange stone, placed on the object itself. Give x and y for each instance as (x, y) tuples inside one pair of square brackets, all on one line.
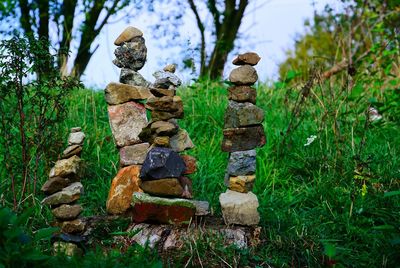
[(125, 183)]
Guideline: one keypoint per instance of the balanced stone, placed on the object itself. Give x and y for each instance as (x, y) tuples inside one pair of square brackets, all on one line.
[(125, 183), (172, 78), (132, 54), (117, 93), (73, 227), (250, 58), (242, 94), (242, 183), (161, 141), (55, 184), (161, 92), (127, 35), (127, 121), (68, 249), (133, 154), (163, 83), (71, 150), (76, 129), (164, 128), (242, 139), (162, 163), (242, 163), (67, 212), (170, 68), (65, 196), (133, 78), (163, 210), (71, 167), (76, 138), (190, 163), (242, 115), (166, 103), (162, 115), (181, 141), (239, 208), (163, 187), (244, 75)]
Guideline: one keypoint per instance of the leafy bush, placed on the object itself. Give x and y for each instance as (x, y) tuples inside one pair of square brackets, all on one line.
[(32, 103)]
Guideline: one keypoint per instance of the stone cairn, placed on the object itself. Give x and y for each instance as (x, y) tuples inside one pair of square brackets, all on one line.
[(151, 184), (243, 132), (63, 190)]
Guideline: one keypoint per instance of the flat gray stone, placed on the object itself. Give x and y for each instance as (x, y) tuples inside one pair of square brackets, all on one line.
[(65, 196), (171, 77), (239, 208), (76, 138), (133, 78), (244, 75), (242, 163), (133, 154), (242, 115), (67, 212)]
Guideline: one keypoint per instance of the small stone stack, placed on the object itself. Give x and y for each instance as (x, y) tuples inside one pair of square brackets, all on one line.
[(243, 132), (149, 149), (63, 190)]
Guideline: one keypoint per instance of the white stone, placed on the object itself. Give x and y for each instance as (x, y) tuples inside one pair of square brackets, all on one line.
[(76, 138), (239, 208)]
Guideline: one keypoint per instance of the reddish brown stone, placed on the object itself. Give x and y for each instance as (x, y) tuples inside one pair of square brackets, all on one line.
[(127, 121), (242, 139), (242, 94), (250, 58), (161, 210), (191, 164), (125, 183)]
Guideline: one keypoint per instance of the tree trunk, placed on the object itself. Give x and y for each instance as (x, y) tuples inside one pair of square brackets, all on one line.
[(226, 34)]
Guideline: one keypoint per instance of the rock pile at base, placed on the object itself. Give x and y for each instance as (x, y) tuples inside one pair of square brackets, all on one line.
[(243, 132), (150, 148), (63, 190)]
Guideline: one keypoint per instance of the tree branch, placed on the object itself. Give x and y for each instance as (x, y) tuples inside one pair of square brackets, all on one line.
[(201, 27)]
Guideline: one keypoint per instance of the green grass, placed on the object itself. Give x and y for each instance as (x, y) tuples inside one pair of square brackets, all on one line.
[(313, 212)]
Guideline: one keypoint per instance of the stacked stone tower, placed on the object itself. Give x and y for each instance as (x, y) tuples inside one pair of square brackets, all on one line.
[(152, 182), (243, 132), (63, 190)]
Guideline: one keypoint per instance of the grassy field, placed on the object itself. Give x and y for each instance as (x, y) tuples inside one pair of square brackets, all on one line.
[(330, 203), (321, 204)]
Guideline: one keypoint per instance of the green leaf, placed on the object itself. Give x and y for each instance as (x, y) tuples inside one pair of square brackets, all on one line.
[(392, 193), (384, 227), (330, 250), (45, 233)]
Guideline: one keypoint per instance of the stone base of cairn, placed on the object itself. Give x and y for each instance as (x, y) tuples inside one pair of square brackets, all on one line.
[(152, 183), (243, 132), (63, 190)]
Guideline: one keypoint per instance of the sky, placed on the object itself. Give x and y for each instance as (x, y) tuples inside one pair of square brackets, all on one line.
[(270, 27)]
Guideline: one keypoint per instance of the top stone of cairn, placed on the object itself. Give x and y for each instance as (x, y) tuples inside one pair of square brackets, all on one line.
[(250, 58), (128, 34)]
